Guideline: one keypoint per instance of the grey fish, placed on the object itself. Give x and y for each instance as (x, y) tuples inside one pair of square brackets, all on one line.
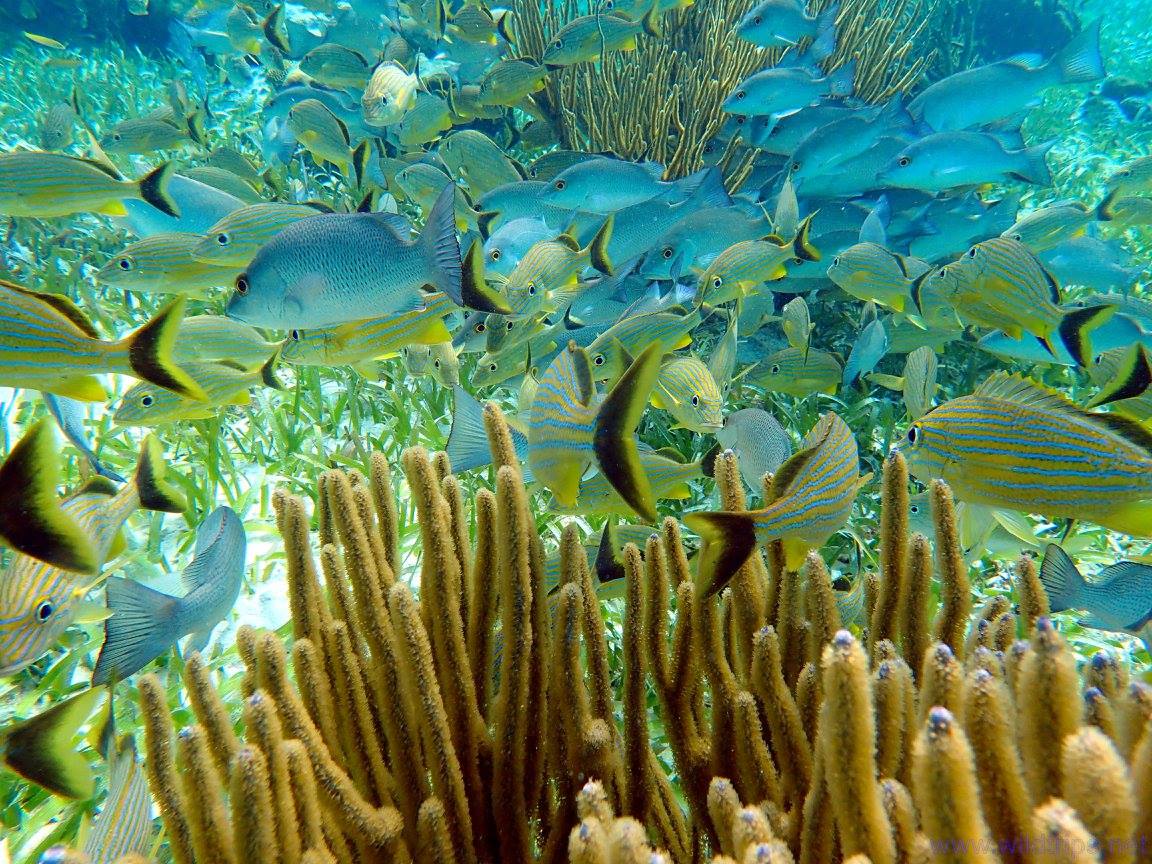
[(761, 444), (1118, 598), (779, 91), (607, 185), (145, 623), (201, 206), (952, 160), (868, 350), (1094, 263), (467, 445), (69, 416), (784, 23)]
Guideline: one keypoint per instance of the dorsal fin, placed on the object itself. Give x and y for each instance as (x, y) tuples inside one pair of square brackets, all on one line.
[(669, 453), (787, 473), (569, 241)]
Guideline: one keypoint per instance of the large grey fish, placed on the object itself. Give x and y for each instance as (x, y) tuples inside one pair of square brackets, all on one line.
[(1118, 598), (69, 416), (761, 444), (607, 185), (145, 623), (952, 160), (339, 267)]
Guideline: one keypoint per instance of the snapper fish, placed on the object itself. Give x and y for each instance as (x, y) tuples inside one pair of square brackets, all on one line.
[(1117, 598), (686, 389), (235, 239), (44, 185), (760, 443), (165, 264)]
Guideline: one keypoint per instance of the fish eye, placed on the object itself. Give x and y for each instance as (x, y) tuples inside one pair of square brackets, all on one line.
[(531, 288), (741, 120), (125, 264), (972, 252), (480, 328), (836, 261), (904, 161), (494, 254), (222, 239), (384, 99), (740, 94), (44, 610), (695, 401), (667, 252), (294, 335), (509, 326), (795, 166), (436, 364), (560, 185), (598, 360), (914, 509), (492, 367), (116, 136), (1018, 237), (241, 284), (942, 272), (709, 148), (147, 401), (758, 20), (558, 43), (717, 281), (775, 370), (913, 434)]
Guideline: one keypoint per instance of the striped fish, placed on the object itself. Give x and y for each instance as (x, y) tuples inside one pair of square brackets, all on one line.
[(42, 748), (204, 338), (164, 264), (437, 360), (868, 271), (669, 478), (475, 158), (224, 383), (548, 276), (743, 266), (813, 495), (44, 185), (503, 366), (1000, 284), (124, 824), (38, 601), (47, 344), (349, 344), (571, 428), (503, 332), (1017, 445), (668, 329), (508, 82), (791, 371), (235, 239), (686, 389)]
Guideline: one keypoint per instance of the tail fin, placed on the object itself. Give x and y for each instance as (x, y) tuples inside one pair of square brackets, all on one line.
[(474, 290), (1076, 327), (1105, 212), (598, 248), (152, 485), (467, 446), (614, 439), (42, 749), (137, 631), (150, 353), (824, 45), (1033, 166), (1080, 60), (842, 82), (31, 519), (441, 248), (268, 371), (274, 30), (729, 538), (802, 246), (1060, 578), (1133, 377), (153, 188)]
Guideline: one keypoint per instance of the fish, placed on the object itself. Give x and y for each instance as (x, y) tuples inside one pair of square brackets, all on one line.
[(744, 265), (999, 283), (504, 332), (813, 493), (339, 267), (390, 93), (1131, 179), (760, 443), (145, 623), (438, 360), (571, 428), (1116, 599), (124, 824), (69, 416), (47, 344), (796, 321), (334, 65), (199, 206), (686, 389), (870, 272), (223, 382), (1093, 263), (424, 121), (1124, 376), (1015, 444), (56, 125), (235, 239), (204, 338), (42, 748), (783, 24), (477, 160), (868, 350), (953, 160), (798, 373), (1046, 227), (917, 384), (44, 41), (697, 239), (832, 144), (779, 91), (321, 133), (236, 163), (359, 341), (39, 601), (586, 38), (510, 81), (609, 351), (606, 186), (547, 277), (1118, 331), (164, 264), (467, 445), (985, 94), (507, 245), (43, 185), (148, 134), (722, 362), (225, 181)]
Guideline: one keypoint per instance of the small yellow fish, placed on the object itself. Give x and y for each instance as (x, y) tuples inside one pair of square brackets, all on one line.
[(43, 185), (686, 389), (797, 373), (224, 383), (164, 264), (390, 93), (321, 133), (548, 276), (46, 41)]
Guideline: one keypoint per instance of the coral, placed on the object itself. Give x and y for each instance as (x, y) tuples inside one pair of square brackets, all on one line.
[(479, 720)]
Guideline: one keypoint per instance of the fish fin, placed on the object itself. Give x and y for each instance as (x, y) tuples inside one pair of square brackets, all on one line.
[(268, 373), (85, 388), (198, 640), (153, 188), (474, 292), (651, 22), (441, 248), (90, 612), (31, 519), (1080, 60), (1061, 580), (792, 466), (150, 353), (467, 446), (729, 538), (42, 749), (1133, 378), (598, 248), (361, 160), (802, 246), (1075, 330), (888, 382), (113, 208), (435, 333), (1105, 211), (609, 567), (133, 635), (155, 491), (614, 440), (1035, 165)]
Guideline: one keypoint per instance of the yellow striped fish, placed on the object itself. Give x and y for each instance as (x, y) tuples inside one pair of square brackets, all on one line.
[(670, 478), (1017, 445), (476, 159), (359, 341), (1124, 376), (224, 383), (918, 383), (321, 133), (124, 824), (670, 330), (390, 93), (497, 368), (42, 748), (792, 371), (31, 519), (38, 601), (503, 333), (47, 344), (438, 360), (868, 271), (686, 389), (1000, 284), (509, 82), (571, 428), (813, 495), (204, 338), (236, 238), (164, 264), (43, 185), (548, 276), (743, 266)]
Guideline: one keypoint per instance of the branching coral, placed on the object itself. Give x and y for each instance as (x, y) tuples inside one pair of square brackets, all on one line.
[(394, 730)]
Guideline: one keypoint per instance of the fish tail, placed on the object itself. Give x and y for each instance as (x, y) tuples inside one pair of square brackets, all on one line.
[(361, 161), (473, 287), (441, 248), (42, 749), (842, 82), (150, 353), (824, 40), (1061, 580), (1105, 211), (802, 246), (598, 248), (152, 484), (31, 519), (194, 123), (614, 435), (1080, 60), (729, 539), (134, 633), (153, 188), (467, 446), (651, 21), (274, 32), (1076, 327), (1133, 378), (1033, 166)]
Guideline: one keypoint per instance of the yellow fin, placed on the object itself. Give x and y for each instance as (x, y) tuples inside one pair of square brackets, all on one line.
[(85, 388), (435, 333), (113, 208)]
